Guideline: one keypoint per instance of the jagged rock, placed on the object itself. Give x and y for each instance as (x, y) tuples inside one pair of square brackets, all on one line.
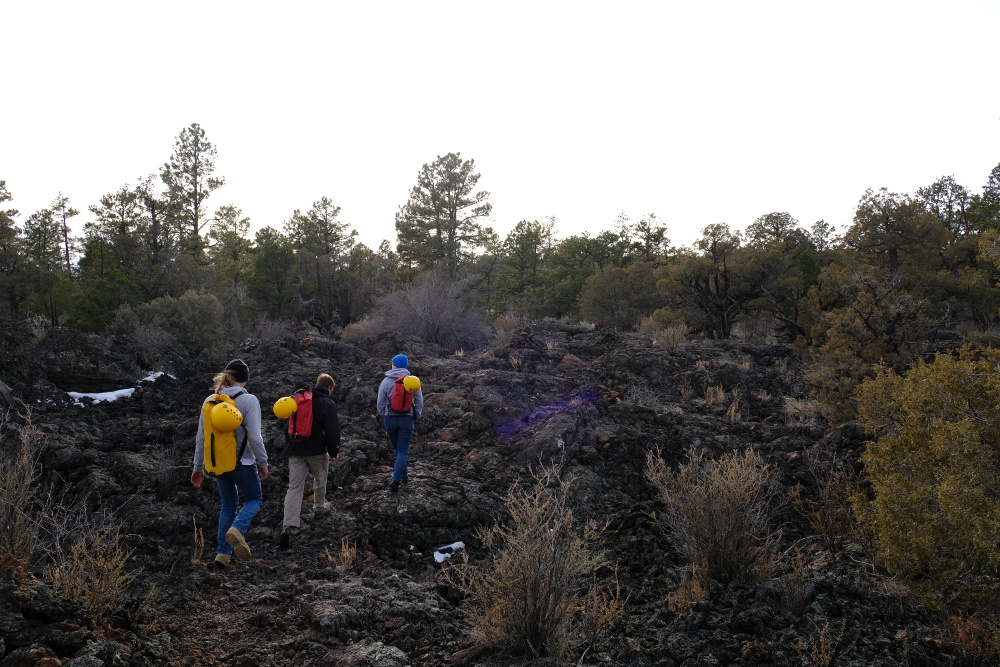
[(362, 585)]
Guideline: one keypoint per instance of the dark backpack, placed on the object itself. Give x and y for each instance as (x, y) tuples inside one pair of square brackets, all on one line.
[(300, 424), (401, 400)]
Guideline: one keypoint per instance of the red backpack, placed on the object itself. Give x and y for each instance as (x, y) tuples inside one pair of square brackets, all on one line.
[(300, 424), (401, 400)]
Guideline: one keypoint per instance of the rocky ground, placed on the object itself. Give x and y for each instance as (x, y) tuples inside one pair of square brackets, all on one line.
[(596, 401)]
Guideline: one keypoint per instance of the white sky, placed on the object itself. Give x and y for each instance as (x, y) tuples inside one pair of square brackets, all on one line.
[(699, 112)]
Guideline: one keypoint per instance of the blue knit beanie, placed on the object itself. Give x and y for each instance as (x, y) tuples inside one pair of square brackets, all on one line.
[(400, 361)]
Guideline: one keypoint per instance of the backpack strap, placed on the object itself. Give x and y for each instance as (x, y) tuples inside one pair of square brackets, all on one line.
[(243, 445), (246, 433)]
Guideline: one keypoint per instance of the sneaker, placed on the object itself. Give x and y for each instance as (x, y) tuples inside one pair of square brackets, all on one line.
[(240, 548), (393, 487), (285, 539)]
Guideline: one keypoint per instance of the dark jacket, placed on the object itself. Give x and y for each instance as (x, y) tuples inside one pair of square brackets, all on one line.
[(325, 436)]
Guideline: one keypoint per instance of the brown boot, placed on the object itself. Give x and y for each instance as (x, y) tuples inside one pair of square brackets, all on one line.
[(240, 548)]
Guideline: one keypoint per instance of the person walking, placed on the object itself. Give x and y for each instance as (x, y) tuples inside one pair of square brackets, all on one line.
[(312, 456), (398, 425), (250, 470)]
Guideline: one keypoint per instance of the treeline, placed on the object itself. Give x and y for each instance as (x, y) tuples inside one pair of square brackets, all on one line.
[(913, 271)]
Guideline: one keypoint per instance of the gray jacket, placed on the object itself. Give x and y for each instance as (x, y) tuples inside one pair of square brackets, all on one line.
[(385, 394)]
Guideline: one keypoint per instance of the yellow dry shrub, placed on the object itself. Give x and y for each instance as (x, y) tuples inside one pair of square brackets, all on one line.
[(18, 486), (531, 595), (93, 573), (344, 559), (718, 513)]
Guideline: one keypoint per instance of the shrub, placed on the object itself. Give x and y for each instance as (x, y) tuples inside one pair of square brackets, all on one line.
[(343, 560), (718, 512), (268, 330), (934, 467), (93, 574), (18, 465), (364, 330), (194, 322), (672, 337), (531, 596), (829, 509), (437, 310), (619, 298)]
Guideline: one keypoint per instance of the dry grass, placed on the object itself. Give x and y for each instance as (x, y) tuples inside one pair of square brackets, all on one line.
[(798, 410), (364, 330), (737, 408), (830, 511), (502, 338), (646, 325), (972, 633), (18, 467), (344, 559), (198, 548), (686, 390), (795, 586), (820, 649), (530, 596), (689, 592), (93, 572), (715, 394), (718, 513), (640, 393), (672, 337)]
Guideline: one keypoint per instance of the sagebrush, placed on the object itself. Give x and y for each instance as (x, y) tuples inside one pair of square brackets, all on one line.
[(531, 595), (719, 513)]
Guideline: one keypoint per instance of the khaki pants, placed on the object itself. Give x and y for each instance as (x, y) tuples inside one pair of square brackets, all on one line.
[(298, 468)]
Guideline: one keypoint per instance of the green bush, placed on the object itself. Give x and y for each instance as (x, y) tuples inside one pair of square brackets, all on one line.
[(194, 323), (934, 467)]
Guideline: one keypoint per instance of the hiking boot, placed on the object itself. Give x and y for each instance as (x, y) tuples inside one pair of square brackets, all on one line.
[(321, 511), (405, 480), (240, 548), (285, 539), (220, 563), (393, 487)]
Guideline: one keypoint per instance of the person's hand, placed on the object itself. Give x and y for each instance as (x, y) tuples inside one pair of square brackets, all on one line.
[(197, 478), (262, 472)]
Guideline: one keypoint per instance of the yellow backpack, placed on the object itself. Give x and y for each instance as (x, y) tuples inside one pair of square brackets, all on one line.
[(221, 419)]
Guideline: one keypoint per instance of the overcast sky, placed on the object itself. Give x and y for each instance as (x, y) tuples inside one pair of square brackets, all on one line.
[(699, 112)]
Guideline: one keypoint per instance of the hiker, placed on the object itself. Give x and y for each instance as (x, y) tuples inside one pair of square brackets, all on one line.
[(312, 455), (250, 471), (399, 425)]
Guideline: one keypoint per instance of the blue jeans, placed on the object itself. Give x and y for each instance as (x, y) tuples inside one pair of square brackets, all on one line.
[(400, 430), (243, 480)]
